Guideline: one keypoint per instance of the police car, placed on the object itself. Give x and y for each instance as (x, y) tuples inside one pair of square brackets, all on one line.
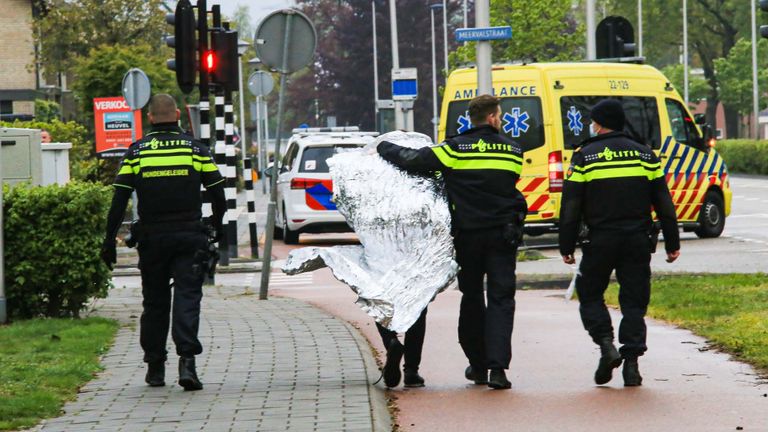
[(304, 185)]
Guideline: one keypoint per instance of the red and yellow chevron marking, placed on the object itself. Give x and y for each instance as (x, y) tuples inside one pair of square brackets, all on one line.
[(536, 192), (689, 177)]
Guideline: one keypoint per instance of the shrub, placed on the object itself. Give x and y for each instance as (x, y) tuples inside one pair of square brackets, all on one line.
[(53, 235), (744, 156)]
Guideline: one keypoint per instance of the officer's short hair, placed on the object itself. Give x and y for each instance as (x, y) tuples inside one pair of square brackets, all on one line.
[(163, 108), (481, 106)]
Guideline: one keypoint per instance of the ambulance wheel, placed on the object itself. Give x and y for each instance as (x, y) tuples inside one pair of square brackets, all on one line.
[(711, 217), (289, 237)]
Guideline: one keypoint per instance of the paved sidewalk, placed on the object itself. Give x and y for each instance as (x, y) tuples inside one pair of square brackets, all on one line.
[(276, 365)]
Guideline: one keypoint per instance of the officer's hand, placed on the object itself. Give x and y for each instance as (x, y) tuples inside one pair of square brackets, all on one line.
[(109, 253), (569, 259), (672, 256)]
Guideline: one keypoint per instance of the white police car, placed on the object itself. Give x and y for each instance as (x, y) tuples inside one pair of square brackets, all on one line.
[(304, 185)]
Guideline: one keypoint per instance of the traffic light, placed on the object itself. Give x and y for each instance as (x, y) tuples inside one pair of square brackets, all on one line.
[(615, 38), (184, 43), (224, 71), (764, 28)]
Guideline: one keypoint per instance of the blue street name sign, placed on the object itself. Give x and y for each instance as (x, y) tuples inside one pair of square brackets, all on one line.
[(483, 34)]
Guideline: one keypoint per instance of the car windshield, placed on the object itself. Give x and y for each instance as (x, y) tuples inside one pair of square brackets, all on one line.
[(314, 159)]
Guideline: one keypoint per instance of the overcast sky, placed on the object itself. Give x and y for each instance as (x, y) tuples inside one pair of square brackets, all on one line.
[(259, 8)]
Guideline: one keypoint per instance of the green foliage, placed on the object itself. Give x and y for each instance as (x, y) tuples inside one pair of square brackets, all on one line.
[(100, 74), (44, 363), (46, 111), (71, 28), (544, 30), (697, 86), (744, 156), (83, 164), (729, 310), (735, 75), (55, 235)]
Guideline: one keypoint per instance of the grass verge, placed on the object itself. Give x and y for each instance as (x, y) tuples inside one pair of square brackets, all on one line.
[(43, 363), (730, 310)]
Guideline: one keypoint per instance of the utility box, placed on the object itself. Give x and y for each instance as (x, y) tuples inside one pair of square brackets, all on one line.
[(21, 156), (55, 163)]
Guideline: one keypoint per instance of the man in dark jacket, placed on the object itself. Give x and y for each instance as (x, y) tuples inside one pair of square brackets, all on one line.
[(480, 167), (166, 169), (613, 185)]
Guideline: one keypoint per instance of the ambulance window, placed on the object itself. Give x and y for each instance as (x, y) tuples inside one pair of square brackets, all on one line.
[(682, 125), (642, 116), (521, 120)]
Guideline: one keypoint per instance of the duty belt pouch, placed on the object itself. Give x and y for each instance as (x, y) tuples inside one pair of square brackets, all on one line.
[(512, 233), (134, 234)]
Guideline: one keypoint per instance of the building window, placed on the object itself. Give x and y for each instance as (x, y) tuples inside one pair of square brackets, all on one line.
[(6, 107)]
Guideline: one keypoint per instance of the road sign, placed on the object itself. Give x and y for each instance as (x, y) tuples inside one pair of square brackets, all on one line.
[(260, 83), (405, 84), (281, 28), (136, 88), (483, 34)]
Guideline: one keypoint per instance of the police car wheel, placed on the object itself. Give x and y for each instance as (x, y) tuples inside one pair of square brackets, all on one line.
[(711, 217), (289, 236)]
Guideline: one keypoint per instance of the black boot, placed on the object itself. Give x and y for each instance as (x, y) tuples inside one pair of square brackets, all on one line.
[(498, 380), (155, 374), (479, 376), (392, 366), (411, 378), (631, 373), (187, 374), (609, 360)]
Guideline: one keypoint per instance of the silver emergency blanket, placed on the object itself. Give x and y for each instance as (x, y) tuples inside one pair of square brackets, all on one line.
[(406, 253)]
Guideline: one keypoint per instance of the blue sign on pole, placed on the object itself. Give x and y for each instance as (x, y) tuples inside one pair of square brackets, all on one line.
[(483, 34)]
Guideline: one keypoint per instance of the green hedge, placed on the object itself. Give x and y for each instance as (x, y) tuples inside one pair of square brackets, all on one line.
[(53, 235), (744, 156)]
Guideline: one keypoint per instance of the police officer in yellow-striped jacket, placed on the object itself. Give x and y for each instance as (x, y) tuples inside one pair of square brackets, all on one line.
[(166, 169), (480, 167), (613, 185)]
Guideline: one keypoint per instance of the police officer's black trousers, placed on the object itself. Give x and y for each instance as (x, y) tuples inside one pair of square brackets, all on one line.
[(630, 256), (485, 333), (413, 343), (162, 257)]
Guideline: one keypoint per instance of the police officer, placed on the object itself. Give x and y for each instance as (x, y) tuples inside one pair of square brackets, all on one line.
[(480, 167), (166, 169), (411, 350), (612, 185)]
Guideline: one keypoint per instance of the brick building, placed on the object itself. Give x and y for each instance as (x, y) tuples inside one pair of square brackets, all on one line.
[(18, 77)]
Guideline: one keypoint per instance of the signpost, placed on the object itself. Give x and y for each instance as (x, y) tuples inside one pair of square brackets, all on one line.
[(285, 41), (136, 91), (405, 90), (260, 84), (483, 34)]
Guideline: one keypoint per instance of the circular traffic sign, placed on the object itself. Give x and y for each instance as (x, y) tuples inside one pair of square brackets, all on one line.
[(136, 88), (286, 40), (260, 83)]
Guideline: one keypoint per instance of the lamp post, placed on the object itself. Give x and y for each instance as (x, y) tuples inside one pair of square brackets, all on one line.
[(375, 66), (242, 47), (432, 8), (685, 51), (445, 35), (639, 28)]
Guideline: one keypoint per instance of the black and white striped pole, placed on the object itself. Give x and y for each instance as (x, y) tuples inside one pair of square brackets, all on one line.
[(230, 173), (251, 198)]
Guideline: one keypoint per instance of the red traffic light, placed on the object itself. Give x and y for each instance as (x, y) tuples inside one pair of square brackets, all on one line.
[(209, 61)]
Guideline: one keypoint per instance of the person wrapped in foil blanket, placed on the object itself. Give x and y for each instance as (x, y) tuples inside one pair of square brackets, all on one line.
[(405, 256)]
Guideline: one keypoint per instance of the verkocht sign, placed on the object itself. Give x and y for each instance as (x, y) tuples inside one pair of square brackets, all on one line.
[(114, 123)]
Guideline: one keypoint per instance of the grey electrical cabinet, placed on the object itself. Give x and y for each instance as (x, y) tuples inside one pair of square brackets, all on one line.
[(21, 157)]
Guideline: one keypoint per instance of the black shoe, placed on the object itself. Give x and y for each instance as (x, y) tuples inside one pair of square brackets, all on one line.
[(155, 374), (187, 374), (392, 366), (411, 378), (609, 360), (498, 380), (631, 373), (479, 376)]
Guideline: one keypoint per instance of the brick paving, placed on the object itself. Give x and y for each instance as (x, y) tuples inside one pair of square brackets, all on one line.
[(276, 365)]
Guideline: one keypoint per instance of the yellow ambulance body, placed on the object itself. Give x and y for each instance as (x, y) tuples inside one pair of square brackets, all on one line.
[(545, 108)]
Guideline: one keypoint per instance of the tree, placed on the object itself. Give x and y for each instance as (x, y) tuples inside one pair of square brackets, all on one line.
[(100, 74), (735, 76), (71, 28), (544, 30), (697, 86)]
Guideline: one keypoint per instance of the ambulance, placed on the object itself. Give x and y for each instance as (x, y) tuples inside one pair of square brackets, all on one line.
[(545, 108)]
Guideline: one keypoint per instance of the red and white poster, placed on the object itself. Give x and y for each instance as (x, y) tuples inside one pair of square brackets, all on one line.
[(114, 123)]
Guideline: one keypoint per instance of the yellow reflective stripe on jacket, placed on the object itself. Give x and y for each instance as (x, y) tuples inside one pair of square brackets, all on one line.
[(163, 161), (597, 165), (127, 169), (164, 151), (477, 161), (459, 155), (616, 172)]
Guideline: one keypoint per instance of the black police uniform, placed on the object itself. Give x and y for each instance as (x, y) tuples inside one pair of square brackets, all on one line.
[(166, 169), (613, 184), (481, 168)]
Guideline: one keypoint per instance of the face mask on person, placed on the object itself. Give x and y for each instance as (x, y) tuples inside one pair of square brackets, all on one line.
[(592, 130)]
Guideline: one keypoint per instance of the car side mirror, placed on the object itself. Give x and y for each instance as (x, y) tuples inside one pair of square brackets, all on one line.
[(706, 141), (269, 169), (700, 119)]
